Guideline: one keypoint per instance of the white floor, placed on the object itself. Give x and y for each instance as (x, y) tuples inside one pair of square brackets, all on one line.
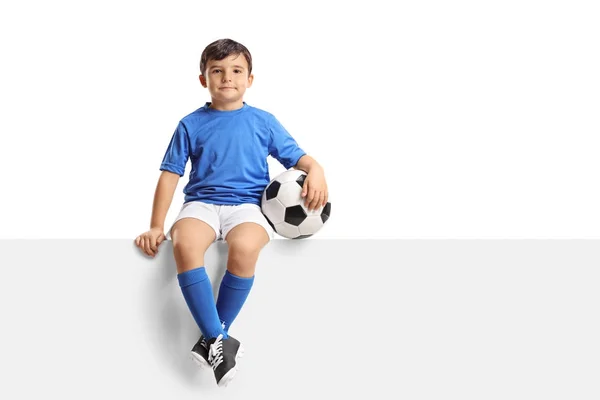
[(397, 319)]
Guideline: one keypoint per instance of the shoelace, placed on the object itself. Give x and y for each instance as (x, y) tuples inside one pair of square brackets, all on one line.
[(215, 352)]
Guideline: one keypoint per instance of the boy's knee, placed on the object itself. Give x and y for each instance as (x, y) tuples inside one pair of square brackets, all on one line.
[(241, 260), (183, 245), (191, 235), (243, 250)]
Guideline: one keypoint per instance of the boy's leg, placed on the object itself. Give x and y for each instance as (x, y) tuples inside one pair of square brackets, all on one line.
[(196, 228), (246, 232), (191, 239)]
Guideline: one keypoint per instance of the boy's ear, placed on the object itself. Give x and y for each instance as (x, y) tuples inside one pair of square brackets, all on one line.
[(202, 80), (250, 80)]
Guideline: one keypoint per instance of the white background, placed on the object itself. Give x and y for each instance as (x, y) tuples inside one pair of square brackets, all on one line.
[(433, 119)]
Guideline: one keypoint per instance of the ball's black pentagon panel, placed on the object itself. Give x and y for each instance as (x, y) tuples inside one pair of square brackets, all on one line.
[(294, 215), (272, 190), (300, 180), (326, 212)]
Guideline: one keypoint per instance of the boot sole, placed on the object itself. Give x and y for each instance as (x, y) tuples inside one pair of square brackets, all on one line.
[(228, 377)]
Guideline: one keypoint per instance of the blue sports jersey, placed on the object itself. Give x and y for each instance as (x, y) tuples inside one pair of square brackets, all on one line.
[(228, 153)]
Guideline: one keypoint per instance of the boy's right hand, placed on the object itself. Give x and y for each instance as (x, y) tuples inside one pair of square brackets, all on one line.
[(149, 241)]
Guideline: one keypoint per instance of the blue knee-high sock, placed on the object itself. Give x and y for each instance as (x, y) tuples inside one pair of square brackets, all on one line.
[(232, 295), (198, 294)]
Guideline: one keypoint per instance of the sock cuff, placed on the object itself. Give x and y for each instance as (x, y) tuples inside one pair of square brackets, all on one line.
[(192, 276), (237, 282)]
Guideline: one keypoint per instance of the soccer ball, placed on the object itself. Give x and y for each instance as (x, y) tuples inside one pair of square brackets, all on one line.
[(283, 206)]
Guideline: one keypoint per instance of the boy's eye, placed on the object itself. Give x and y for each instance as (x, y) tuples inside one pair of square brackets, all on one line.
[(216, 71), (237, 71)]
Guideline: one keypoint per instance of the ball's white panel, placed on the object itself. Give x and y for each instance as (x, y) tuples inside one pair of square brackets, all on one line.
[(311, 225), (290, 194), (286, 230), (289, 176), (273, 210), (316, 212)]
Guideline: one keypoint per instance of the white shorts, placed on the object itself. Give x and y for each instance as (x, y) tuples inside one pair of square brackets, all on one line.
[(223, 218)]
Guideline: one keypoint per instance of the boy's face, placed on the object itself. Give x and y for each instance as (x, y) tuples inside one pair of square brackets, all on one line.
[(227, 81)]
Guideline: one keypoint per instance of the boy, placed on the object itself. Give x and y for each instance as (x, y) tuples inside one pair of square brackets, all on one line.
[(227, 143)]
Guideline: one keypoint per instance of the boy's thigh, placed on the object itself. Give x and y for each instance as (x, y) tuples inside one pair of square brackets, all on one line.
[(192, 235), (235, 216), (204, 212), (194, 230)]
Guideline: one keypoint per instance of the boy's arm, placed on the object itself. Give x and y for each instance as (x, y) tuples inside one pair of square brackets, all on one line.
[(314, 190), (163, 196), (306, 163)]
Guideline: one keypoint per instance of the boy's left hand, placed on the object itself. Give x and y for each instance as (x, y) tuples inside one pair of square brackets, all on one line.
[(314, 189)]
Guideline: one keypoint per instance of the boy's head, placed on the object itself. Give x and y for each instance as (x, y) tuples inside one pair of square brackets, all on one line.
[(226, 70), (221, 49)]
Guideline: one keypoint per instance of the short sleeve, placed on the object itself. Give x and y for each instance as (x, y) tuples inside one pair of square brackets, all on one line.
[(283, 147), (178, 152)]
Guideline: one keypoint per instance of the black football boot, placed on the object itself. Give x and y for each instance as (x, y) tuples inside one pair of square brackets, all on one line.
[(223, 355), (200, 353)]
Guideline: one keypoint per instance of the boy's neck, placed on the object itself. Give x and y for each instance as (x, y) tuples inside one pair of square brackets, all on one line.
[(226, 106)]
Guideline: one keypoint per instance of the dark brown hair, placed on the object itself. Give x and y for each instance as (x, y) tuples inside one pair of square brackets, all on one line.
[(221, 49)]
